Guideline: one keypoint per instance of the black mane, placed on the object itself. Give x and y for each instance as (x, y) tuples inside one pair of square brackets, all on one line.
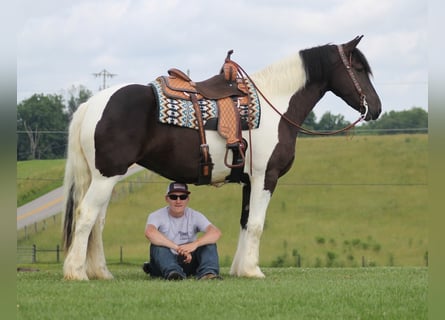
[(318, 62), (356, 53)]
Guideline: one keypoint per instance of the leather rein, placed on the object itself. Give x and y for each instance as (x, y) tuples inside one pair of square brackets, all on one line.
[(348, 66)]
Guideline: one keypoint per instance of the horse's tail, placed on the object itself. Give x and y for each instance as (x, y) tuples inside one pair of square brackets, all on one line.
[(77, 177)]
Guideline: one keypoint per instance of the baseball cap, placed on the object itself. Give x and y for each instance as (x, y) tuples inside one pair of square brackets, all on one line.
[(177, 187)]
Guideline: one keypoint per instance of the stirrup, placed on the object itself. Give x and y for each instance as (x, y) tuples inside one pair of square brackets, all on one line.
[(234, 147)]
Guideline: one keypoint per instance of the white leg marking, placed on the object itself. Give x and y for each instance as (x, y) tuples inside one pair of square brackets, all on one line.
[(96, 266), (245, 262), (95, 200)]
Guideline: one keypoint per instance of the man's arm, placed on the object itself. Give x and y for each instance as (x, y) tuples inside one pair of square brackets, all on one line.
[(211, 235), (158, 239)]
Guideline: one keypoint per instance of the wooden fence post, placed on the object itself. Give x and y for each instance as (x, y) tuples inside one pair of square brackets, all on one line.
[(34, 254)]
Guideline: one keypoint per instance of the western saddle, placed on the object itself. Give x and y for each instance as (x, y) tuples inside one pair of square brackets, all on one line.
[(229, 89)]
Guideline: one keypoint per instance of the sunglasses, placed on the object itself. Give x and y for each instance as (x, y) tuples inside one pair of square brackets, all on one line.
[(176, 196)]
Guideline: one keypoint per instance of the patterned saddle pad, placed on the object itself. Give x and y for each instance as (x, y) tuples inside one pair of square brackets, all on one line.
[(181, 113)]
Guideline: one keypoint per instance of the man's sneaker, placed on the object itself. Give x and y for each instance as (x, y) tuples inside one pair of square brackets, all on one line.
[(210, 276), (174, 275), (146, 267)]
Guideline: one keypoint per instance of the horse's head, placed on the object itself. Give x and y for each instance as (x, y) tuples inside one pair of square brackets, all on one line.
[(350, 80)]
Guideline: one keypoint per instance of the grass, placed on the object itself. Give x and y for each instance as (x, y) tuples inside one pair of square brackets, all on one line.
[(35, 178), (286, 293), (345, 201)]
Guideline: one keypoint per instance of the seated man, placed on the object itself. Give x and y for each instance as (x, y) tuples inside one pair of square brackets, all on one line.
[(176, 251)]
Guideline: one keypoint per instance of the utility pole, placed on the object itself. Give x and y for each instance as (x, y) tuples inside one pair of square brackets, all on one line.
[(104, 74)]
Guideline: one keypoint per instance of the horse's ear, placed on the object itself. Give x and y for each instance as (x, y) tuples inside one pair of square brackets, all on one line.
[(353, 43)]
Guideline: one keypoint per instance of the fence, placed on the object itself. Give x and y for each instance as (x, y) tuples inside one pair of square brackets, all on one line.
[(34, 255), (37, 226)]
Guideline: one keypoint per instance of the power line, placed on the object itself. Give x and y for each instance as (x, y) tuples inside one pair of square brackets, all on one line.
[(104, 74)]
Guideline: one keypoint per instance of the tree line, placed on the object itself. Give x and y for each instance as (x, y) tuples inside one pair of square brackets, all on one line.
[(42, 124), (43, 120), (404, 121)]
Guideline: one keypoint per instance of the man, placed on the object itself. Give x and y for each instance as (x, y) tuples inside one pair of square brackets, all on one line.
[(176, 251)]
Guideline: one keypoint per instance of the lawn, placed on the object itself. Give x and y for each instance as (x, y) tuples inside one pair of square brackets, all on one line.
[(346, 202), (286, 293)]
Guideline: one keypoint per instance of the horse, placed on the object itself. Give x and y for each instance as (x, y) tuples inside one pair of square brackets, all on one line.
[(119, 126)]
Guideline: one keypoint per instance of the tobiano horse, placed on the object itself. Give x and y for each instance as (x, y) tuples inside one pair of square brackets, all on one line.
[(119, 126)]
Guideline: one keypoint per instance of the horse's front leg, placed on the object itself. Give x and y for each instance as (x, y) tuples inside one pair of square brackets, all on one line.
[(246, 260)]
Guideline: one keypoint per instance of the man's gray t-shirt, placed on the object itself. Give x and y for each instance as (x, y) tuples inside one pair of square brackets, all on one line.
[(180, 230)]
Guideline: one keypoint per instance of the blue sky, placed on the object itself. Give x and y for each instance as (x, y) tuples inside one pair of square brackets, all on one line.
[(62, 43)]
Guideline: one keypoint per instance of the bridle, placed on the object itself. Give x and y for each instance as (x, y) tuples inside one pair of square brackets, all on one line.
[(348, 66)]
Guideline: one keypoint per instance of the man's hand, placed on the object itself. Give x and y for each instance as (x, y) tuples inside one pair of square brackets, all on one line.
[(187, 257), (187, 248)]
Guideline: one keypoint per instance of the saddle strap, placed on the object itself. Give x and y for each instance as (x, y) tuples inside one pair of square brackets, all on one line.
[(206, 164)]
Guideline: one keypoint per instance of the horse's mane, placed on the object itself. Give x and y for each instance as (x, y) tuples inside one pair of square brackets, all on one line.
[(317, 61), (283, 77), (290, 74), (361, 57)]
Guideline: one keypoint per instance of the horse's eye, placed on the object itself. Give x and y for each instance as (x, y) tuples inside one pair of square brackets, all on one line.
[(359, 69)]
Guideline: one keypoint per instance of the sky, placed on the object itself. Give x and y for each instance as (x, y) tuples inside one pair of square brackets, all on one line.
[(61, 44)]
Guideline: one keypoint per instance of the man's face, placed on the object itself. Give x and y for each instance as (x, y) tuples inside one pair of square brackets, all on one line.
[(177, 202)]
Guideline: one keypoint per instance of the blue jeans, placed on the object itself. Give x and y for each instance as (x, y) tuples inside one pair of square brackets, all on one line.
[(204, 260)]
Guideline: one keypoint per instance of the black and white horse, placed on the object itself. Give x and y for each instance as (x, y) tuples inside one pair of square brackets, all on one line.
[(119, 127)]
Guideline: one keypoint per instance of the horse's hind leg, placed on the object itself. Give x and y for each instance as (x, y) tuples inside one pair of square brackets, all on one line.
[(89, 211), (96, 266)]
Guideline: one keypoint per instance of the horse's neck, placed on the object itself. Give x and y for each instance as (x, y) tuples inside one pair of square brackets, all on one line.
[(285, 80), (282, 78), (303, 101)]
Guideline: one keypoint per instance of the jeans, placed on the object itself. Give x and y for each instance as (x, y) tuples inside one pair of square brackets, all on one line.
[(204, 260)]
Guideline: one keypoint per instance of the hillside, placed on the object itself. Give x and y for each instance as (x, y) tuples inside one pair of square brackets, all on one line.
[(345, 199)]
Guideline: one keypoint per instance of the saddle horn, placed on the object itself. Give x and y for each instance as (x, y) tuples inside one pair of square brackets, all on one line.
[(229, 53)]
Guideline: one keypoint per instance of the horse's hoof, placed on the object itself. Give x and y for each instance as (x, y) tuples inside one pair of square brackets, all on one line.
[(73, 273), (70, 276), (255, 273), (102, 274)]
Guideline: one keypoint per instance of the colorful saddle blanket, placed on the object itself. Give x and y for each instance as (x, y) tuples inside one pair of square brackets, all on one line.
[(180, 112)]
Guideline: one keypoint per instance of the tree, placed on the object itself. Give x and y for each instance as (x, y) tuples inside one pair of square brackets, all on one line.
[(78, 95), (41, 122), (415, 118), (329, 122), (310, 121)]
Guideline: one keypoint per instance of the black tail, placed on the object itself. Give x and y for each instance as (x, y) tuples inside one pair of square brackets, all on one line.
[(68, 222)]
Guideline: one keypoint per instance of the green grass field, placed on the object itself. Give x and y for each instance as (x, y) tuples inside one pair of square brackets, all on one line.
[(287, 293), (346, 201), (35, 178)]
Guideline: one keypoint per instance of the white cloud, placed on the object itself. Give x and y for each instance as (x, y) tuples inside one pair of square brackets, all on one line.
[(63, 42)]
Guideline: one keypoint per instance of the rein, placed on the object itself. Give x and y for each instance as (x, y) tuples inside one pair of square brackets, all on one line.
[(363, 102)]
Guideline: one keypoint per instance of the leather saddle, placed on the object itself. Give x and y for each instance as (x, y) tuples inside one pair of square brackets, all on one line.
[(179, 85), (229, 89)]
